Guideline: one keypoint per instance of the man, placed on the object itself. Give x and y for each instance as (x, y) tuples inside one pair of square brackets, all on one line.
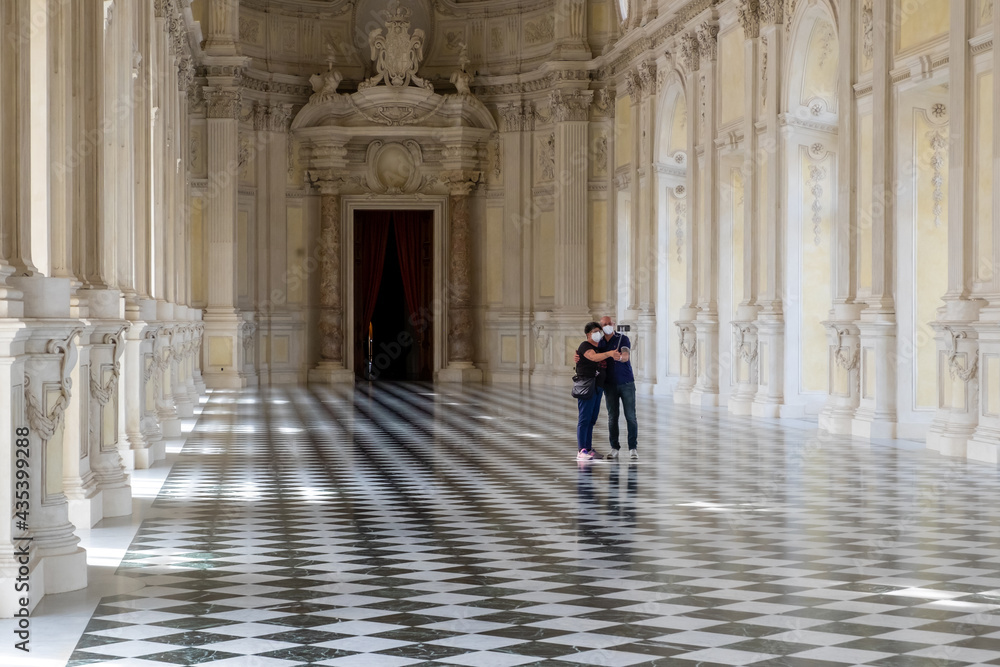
[(619, 389)]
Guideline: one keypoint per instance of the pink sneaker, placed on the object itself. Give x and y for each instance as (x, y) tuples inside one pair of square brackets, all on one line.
[(584, 455)]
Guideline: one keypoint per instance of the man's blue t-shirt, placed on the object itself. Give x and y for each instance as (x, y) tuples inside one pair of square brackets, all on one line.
[(619, 372)]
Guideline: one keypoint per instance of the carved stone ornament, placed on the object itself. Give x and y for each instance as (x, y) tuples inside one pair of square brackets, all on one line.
[(746, 349), (45, 425), (690, 51), (748, 12), (867, 29), (224, 104), (959, 370), (772, 12), (708, 40), (571, 105), (688, 345), (325, 85), (604, 103), (512, 117), (397, 53), (103, 393), (394, 167)]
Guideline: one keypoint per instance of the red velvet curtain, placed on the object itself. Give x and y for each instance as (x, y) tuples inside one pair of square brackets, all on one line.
[(374, 232), (409, 238)]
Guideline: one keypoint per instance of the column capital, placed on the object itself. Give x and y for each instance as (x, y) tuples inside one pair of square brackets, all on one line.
[(513, 117), (223, 103), (772, 12), (279, 117), (708, 40), (571, 105), (748, 12), (604, 103), (690, 51), (461, 181)]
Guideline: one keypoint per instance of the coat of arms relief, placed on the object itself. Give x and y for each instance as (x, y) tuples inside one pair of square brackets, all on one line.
[(397, 53)]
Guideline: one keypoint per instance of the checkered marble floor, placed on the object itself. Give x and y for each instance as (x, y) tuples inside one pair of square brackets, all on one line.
[(424, 525)]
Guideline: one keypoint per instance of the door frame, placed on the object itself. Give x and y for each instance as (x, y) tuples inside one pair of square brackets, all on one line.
[(438, 205)]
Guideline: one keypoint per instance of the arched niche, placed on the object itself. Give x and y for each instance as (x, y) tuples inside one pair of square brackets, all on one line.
[(670, 166), (810, 156)]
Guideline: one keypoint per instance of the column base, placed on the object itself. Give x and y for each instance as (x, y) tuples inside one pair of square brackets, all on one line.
[(84, 513), (984, 446), (463, 372), (49, 575), (950, 441), (741, 406), (837, 421), (117, 501), (766, 410), (703, 398), (871, 427), (170, 427), (330, 372)]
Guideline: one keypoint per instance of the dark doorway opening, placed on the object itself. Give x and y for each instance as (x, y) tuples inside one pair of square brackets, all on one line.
[(393, 273)]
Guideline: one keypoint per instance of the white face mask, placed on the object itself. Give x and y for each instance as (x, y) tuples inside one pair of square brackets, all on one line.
[(608, 330), (596, 336)]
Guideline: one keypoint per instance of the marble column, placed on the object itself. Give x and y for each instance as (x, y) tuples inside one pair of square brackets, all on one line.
[(461, 350), (985, 442), (647, 262), (706, 387), (957, 340), (744, 330), (57, 563), (876, 414), (770, 322), (510, 319), (570, 112), (221, 367), (843, 334), (686, 333), (331, 368)]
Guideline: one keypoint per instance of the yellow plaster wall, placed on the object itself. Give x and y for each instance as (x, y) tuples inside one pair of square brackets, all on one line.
[(243, 248), (494, 257), (296, 248), (678, 277), (220, 351), (984, 179), (762, 282), (546, 254), (931, 269), (992, 387), (820, 71), (920, 21), (599, 250), (623, 131), (678, 127), (864, 217), (731, 75), (198, 294), (739, 233), (817, 272)]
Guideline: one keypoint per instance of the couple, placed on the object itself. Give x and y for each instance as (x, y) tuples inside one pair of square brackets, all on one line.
[(605, 355)]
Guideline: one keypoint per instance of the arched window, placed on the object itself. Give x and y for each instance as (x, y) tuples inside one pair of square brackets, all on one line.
[(623, 9)]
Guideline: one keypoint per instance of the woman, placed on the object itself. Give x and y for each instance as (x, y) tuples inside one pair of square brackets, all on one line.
[(592, 364)]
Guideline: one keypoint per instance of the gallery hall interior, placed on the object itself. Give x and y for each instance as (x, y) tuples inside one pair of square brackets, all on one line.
[(385, 333)]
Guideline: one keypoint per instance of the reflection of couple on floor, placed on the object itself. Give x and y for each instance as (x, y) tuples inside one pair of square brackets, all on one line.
[(594, 511)]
